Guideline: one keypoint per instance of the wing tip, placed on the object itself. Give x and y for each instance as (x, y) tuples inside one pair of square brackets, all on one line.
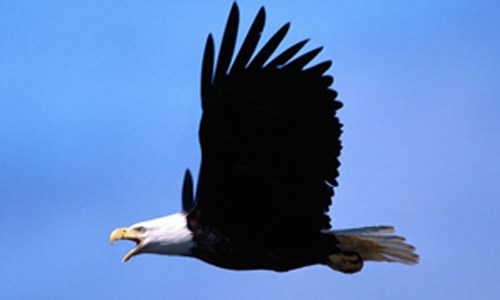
[(187, 192)]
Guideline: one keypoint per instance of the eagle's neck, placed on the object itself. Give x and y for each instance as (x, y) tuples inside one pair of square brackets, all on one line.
[(169, 235)]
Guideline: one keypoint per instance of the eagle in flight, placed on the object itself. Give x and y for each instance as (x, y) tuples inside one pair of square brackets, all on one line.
[(270, 145)]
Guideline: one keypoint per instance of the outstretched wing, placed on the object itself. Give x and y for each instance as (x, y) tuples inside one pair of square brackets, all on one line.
[(269, 138)]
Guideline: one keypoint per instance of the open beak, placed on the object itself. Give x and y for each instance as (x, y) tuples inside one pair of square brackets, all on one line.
[(126, 234)]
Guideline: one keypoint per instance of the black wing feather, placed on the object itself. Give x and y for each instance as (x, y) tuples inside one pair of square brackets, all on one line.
[(319, 69), (300, 62), (268, 49), (227, 46), (207, 69), (286, 55), (250, 42), (270, 142), (187, 192)]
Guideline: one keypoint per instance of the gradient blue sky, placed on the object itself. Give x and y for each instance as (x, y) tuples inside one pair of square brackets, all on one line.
[(99, 109)]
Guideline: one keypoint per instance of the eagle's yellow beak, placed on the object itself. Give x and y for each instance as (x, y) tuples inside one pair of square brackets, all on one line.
[(126, 234)]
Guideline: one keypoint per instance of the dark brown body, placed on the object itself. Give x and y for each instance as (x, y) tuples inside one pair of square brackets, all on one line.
[(279, 255)]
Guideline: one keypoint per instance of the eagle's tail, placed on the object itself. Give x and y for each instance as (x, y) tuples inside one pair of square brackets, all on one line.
[(375, 243)]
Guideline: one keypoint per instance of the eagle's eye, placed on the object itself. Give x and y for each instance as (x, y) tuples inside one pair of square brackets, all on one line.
[(140, 229)]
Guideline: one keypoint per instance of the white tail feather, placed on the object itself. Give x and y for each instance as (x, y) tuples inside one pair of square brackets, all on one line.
[(376, 243)]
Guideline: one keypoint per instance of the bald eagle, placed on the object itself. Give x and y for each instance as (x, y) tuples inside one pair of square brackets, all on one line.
[(270, 144)]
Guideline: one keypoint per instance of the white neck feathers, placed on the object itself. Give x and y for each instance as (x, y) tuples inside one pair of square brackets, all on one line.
[(168, 235)]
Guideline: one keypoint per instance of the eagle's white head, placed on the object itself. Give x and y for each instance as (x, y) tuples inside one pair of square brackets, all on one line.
[(166, 235)]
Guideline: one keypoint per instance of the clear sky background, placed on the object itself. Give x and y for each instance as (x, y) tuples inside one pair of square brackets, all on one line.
[(99, 110)]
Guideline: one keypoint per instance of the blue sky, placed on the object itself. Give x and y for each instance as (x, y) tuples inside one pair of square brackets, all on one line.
[(99, 110)]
